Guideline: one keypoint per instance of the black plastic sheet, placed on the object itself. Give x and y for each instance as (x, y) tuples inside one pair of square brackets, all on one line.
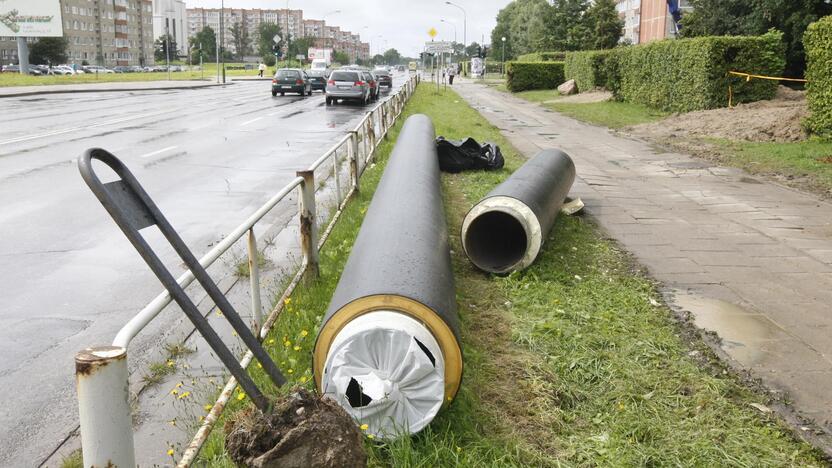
[(468, 155)]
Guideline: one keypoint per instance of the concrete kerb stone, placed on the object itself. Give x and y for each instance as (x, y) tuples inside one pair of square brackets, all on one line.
[(9, 91)]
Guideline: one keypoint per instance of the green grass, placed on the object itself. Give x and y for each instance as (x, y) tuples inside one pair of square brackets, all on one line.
[(210, 74), (537, 95), (567, 363), (609, 113), (73, 460), (809, 162)]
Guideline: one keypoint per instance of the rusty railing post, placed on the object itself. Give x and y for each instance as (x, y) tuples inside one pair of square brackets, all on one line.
[(355, 174), (103, 406), (308, 224), (254, 281)]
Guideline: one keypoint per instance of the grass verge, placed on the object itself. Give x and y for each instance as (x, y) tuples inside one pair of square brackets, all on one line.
[(571, 362), (609, 113)]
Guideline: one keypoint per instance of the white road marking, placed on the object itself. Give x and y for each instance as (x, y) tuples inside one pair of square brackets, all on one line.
[(250, 121), (73, 129), (158, 152)]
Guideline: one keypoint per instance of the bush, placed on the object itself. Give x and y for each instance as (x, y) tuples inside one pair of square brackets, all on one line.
[(589, 68), (269, 60), (692, 74), (818, 44), (522, 76), (542, 57)]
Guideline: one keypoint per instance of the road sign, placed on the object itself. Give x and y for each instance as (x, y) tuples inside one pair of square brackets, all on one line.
[(276, 39), (300, 57), (432, 33), (438, 47)]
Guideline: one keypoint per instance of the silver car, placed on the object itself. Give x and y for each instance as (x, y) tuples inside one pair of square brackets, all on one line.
[(347, 84)]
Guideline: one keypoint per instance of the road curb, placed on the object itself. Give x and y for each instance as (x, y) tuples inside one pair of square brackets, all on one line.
[(108, 90)]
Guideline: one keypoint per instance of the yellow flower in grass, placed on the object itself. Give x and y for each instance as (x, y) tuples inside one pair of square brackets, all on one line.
[(172, 422), (290, 371), (287, 343), (184, 395), (303, 379), (296, 348), (208, 407), (170, 363), (370, 436), (304, 333), (287, 301), (170, 452), (364, 427), (271, 341), (174, 392), (241, 396)]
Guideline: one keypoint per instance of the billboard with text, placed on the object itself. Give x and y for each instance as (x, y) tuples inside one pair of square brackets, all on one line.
[(30, 18)]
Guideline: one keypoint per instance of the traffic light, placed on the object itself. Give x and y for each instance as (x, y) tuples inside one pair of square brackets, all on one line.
[(479, 51), (484, 52)]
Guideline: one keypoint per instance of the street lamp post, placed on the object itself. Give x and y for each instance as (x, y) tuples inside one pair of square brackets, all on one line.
[(464, 22), (222, 41), (503, 67)]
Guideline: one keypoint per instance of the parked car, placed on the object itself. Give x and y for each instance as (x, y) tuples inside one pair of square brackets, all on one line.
[(96, 69), (347, 84), (291, 80), (16, 69), (384, 78), (318, 79), (63, 70)]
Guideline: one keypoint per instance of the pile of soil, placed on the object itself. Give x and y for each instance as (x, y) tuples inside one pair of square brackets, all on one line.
[(776, 120), (302, 431)]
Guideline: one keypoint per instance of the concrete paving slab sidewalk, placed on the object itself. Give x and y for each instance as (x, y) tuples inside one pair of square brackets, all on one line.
[(749, 259), (112, 86)]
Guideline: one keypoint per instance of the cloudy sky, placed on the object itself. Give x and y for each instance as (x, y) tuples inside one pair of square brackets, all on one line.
[(402, 24)]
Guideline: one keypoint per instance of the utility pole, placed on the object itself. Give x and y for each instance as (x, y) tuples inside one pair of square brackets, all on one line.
[(23, 55), (464, 22), (222, 38), (167, 45)]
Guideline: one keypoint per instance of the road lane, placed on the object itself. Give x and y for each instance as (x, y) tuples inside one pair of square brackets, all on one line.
[(69, 277)]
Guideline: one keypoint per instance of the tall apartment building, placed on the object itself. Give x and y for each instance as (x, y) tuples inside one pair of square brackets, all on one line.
[(108, 33), (288, 20), (648, 20)]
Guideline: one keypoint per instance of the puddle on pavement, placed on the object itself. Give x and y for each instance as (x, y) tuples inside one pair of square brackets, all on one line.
[(746, 336)]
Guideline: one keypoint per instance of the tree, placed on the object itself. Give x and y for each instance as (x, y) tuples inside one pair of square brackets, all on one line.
[(567, 27), (392, 57), (48, 50), (606, 27), (755, 17), (377, 59), (163, 44), (206, 41), (472, 50), (300, 46), (240, 39), (341, 57), (265, 35)]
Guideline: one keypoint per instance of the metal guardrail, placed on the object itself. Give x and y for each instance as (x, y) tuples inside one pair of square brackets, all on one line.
[(102, 376)]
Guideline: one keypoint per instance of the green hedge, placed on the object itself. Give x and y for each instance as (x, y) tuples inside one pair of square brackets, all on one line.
[(818, 44), (692, 74), (522, 76), (589, 68), (542, 57)]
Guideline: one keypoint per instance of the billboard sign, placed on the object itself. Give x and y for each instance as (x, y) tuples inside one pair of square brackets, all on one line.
[(439, 47), (30, 18)]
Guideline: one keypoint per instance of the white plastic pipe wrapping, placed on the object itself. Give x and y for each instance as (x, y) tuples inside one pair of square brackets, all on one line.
[(505, 231), (388, 350)]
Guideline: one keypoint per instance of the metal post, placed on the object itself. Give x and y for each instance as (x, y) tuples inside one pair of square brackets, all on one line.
[(353, 154), (23, 55), (337, 177), (308, 224), (103, 407), (254, 281), (167, 47)]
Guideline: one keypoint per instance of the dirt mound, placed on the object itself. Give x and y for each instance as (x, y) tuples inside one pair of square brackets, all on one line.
[(776, 120), (302, 431)]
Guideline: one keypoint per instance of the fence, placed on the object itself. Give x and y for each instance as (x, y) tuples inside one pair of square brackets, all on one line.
[(102, 373)]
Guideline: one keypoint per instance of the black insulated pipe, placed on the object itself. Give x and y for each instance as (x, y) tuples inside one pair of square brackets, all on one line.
[(505, 230), (388, 350)]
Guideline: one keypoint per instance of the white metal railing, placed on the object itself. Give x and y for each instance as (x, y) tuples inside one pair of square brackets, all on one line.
[(101, 373)]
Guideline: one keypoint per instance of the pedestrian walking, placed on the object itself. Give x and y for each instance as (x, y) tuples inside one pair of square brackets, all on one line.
[(262, 68), (451, 75)]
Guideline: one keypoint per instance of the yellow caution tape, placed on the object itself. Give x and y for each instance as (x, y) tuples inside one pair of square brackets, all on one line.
[(748, 77)]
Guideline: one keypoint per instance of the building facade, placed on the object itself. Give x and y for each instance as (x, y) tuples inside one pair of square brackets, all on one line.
[(98, 32), (170, 16), (288, 20), (648, 20)]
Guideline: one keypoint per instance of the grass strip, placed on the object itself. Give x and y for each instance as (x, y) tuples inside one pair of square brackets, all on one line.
[(610, 114), (571, 362)]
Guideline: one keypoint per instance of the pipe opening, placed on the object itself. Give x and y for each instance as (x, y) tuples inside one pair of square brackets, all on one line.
[(356, 396), (496, 241)]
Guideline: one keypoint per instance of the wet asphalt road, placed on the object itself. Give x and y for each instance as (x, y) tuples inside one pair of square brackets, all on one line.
[(69, 278)]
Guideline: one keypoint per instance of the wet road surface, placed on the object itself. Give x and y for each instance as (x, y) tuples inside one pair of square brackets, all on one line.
[(69, 277)]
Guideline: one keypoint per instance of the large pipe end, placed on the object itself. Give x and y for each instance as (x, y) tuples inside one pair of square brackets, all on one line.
[(501, 234), (386, 370)]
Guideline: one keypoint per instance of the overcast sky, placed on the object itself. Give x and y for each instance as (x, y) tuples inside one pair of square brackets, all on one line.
[(403, 24)]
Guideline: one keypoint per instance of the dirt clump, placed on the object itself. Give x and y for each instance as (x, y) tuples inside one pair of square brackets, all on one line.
[(777, 120), (302, 431)]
